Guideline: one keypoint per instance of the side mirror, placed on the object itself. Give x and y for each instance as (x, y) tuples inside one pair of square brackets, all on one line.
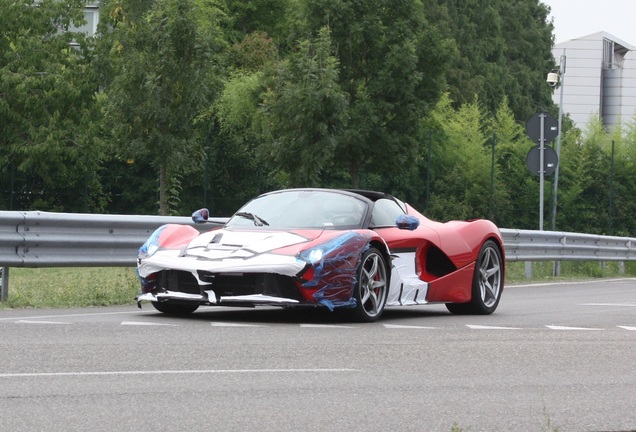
[(407, 222), (200, 216)]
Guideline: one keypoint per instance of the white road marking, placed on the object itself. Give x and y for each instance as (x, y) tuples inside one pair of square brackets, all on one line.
[(628, 328), (74, 315), (483, 327), (397, 326), (40, 322), (570, 283), (325, 326), (609, 304), (553, 327), (171, 372), (230, 324), (142, 323)]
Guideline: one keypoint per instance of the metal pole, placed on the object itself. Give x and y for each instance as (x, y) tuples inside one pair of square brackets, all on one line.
[(12, 185), (492, 176), (558, 146), (428, 170), (541, 163), (4, 284), (611, 193)]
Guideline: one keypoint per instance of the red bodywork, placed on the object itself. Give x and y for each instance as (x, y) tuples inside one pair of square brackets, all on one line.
[(459, 241)]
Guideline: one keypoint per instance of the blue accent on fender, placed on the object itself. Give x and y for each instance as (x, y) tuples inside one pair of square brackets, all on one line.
[(335, 272), (147, 285), (151, 245), (345, 305)]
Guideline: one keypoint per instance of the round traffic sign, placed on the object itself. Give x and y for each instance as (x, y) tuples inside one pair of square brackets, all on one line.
[(550, 128), (550, 160)]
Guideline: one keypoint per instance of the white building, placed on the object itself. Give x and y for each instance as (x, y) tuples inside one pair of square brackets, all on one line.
[(599, 79)]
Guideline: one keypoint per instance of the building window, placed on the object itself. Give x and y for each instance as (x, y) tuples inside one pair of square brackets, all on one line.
[(91, 15)]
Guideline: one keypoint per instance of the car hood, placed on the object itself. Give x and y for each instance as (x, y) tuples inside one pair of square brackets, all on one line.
[(229, 243)]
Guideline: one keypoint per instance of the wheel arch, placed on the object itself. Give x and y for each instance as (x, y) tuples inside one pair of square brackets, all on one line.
[(498, 240), (382, 247)]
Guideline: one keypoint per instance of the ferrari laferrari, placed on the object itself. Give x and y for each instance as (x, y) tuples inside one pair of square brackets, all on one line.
[(353, 250)]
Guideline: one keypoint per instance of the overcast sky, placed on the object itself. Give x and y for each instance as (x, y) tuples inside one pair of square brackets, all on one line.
[(576, 18)]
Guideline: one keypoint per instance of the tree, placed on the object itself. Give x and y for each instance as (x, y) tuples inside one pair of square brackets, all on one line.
[(598, 193), (305, 113), (164, 69), (390, 63), (267, 16), (236, 173), (516, 197), (462, 162), (504, 49), (48, 156)]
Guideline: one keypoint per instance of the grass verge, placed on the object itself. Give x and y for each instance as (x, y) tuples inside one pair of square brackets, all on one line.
[(108, 286), (71, 287)]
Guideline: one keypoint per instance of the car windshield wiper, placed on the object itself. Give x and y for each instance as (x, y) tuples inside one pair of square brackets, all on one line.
[(251, 216)]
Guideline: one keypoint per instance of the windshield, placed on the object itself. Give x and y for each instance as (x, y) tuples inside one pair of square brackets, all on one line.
[(296, 209)]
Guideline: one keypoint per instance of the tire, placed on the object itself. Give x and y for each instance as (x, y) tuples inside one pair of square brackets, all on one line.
[(173, 308), (487, 283), (372, 286)]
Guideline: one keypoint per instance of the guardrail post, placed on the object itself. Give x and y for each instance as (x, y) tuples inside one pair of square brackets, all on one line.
[(4, 284), (528, 269)]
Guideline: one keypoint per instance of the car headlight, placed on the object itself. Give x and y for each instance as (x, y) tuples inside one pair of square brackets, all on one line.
[(336, 248), (315, 255)]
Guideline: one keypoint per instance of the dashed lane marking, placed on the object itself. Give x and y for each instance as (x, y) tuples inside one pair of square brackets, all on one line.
[(145, 323), (324, 326), (231, 324), (483, 327), (570, 283), (610, 304), (398, 326), (174, 372), (553, 327), (41, 322), (74, 315)]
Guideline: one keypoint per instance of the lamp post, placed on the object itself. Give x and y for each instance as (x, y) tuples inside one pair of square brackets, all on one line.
[(560, 80), (555, 79)]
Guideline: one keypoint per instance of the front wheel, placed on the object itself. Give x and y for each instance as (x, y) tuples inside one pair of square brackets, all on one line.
[(173, 308), (487, 283), (372, 286)]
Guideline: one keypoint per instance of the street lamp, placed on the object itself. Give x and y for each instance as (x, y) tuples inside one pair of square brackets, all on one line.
[(557, 78)]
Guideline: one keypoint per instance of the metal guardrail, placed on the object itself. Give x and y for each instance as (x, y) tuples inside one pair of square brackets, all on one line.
[(527, 245), (42, 239)]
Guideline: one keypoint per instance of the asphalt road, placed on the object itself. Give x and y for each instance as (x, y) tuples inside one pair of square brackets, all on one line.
[(553, 357)]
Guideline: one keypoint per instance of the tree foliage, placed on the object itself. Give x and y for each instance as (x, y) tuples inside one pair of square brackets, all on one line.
[(178, 104), (305, 113), (46, 108), (391, 62), (503, 50), (162, 60)]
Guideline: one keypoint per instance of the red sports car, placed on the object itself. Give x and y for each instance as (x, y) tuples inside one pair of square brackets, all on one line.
[(337, 249)]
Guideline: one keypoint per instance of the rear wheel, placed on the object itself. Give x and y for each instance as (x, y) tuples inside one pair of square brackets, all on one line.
[(487, 283), (173, 308), (371, 287)]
